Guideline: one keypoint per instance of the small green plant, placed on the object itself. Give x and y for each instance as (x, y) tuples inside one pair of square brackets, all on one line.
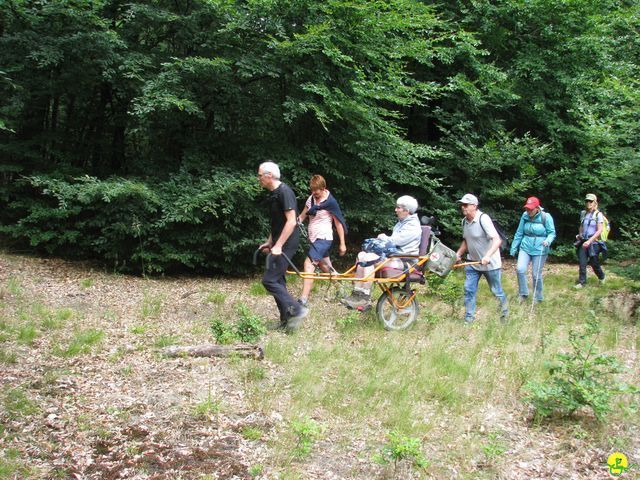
[(250, 327), (222, 331), (581, 378), (251, 433), (306, 432), (86, 283), (255, 373), (349, 320), (257, 289), (208, 406), (81, 343), (165, 341), (139, 329), (217, 298), (494, 447), (255, 470), (402, 448)]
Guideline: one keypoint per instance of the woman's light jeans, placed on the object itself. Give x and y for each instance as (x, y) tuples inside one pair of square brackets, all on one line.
[(537, 262)]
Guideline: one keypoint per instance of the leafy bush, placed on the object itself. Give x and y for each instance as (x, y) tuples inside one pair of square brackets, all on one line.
[(306, 431), (447, 289), (222, 331), (400, 447), (580, 378), (250, 327), (141, 226)]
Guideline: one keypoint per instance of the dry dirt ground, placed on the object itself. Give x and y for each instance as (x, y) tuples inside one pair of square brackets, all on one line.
[(122, 410)]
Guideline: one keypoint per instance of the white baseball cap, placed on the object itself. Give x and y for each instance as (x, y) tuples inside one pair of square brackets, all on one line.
[(470, 199)]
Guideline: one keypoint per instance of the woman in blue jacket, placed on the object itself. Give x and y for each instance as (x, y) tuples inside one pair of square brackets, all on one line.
[(531, 243)]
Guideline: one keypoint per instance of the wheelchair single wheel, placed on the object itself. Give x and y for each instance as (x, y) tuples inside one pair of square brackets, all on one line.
[(400, 315)]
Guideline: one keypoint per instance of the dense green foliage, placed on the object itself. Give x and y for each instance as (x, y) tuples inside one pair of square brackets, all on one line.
[(131, 131)]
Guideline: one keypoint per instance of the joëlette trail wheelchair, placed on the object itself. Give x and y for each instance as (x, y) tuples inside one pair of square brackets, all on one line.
[(397, 306)]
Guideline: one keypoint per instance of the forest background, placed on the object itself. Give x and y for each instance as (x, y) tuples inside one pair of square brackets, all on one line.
[(131, 131)]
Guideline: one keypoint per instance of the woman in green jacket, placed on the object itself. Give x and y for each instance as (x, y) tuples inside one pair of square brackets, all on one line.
[(531, 243)]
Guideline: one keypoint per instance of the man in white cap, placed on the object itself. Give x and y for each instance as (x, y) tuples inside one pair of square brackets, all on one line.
[(480, 240)]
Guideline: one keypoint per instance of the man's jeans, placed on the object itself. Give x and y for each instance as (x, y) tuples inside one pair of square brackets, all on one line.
[(537, 262), (494, 278), (589, 256), (275, 283)]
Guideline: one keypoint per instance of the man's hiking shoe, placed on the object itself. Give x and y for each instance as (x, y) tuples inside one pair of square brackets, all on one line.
[(357, 300), (578, 286), (294, 322), (303, 301), (602, 280)]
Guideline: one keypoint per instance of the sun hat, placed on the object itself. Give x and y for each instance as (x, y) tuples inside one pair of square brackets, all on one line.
[(591, 197), (469, 198)]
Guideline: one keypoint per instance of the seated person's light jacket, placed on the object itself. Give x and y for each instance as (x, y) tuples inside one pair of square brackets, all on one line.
[(532, 232), (406, 235)]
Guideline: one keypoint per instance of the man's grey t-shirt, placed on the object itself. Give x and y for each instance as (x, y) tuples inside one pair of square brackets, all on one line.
[(479, 241)]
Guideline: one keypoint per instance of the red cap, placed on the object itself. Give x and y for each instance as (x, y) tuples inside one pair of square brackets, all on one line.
[(532, 202)]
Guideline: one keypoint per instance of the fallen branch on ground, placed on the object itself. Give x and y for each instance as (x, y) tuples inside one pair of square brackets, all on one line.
[(212, 350)]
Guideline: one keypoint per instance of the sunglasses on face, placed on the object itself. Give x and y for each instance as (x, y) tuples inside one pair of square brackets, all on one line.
[(464, 205)]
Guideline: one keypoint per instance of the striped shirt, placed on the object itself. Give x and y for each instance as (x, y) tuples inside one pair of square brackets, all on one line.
[(320, 224)]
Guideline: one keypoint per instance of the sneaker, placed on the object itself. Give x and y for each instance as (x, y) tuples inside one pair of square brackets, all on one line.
[(578, 286), (294, 322), (357, 300), (602, 281), (469, 321), (303, 301), (522, 299)]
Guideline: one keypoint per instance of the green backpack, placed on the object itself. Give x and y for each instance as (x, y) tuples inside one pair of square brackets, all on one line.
[(606, 226)]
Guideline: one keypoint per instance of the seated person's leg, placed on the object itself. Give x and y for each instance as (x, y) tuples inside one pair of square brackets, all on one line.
[(361, 295)]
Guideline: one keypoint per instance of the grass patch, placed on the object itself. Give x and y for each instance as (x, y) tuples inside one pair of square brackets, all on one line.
[(251, 433), (17, 404), (27, 334), (81, 343), (8, 357), (206, 407), (86, 283), (166, 341), (257, 289), (217, 298), (14, 286), (151, 306), (12, 465)]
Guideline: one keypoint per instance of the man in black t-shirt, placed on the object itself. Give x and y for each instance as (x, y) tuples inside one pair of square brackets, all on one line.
[(283, 238)]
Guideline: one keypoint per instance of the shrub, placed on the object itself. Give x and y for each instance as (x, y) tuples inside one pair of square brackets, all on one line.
[(250, 327), (581, 378), (399, 448), (222, 331), (306, 431)]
